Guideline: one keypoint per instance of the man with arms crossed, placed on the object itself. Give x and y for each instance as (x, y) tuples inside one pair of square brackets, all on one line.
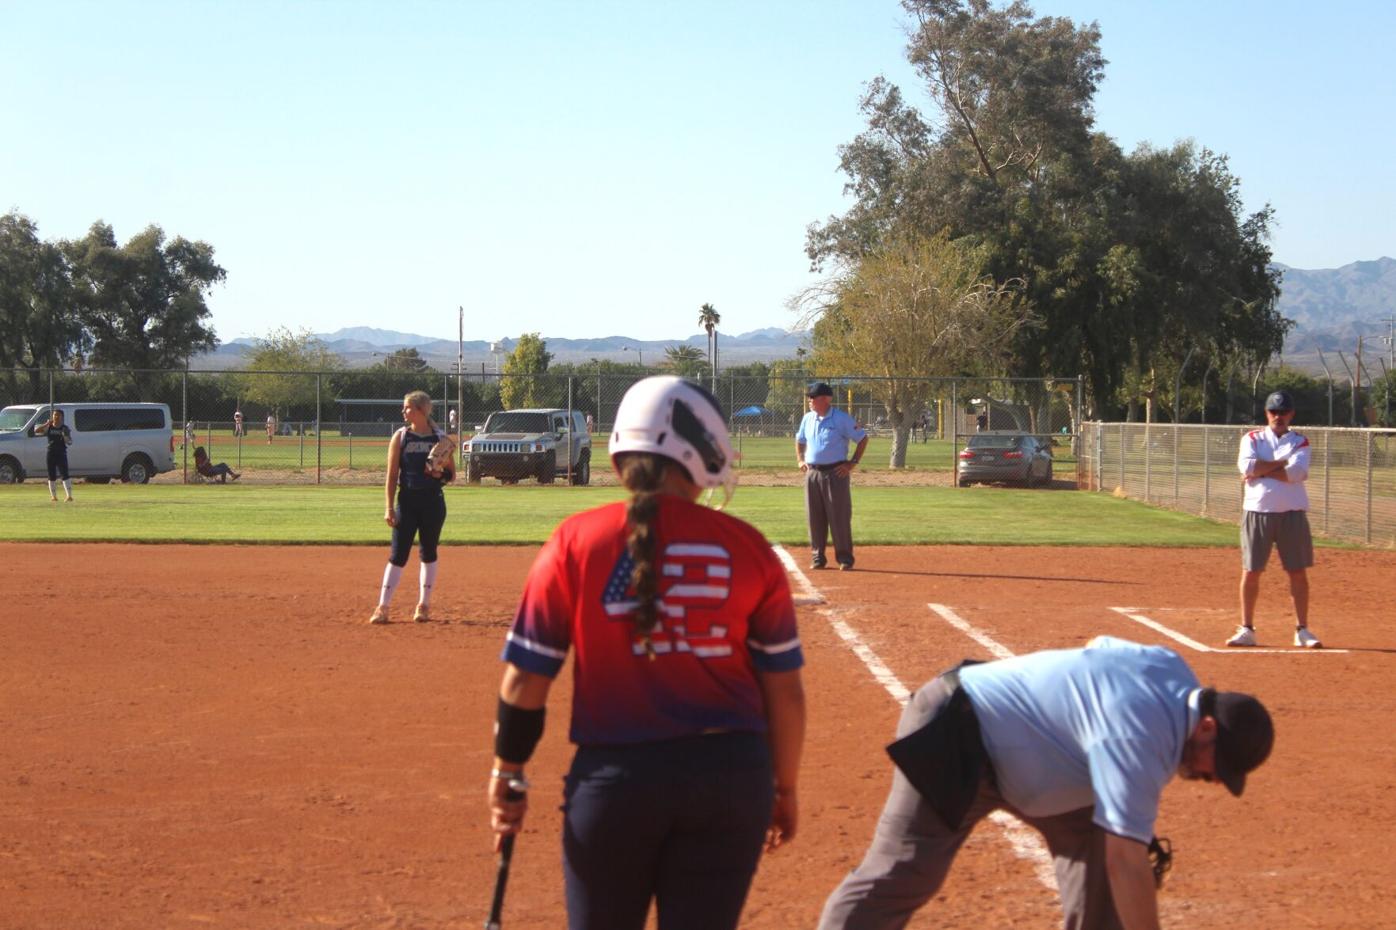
[(1078, 743), (1274, 463), (821, 451)]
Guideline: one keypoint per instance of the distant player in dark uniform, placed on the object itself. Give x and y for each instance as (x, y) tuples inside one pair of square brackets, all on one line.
[(688, 712), (60, 437), (417, 479)]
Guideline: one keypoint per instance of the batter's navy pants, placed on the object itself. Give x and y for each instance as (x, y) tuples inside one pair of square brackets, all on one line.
[(679, 821)]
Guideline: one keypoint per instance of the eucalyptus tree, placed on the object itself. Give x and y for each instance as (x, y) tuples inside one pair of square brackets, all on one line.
[(1007, 161)]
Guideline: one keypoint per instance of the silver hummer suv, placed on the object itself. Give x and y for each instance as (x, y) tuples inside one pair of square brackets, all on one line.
[(542, 444)]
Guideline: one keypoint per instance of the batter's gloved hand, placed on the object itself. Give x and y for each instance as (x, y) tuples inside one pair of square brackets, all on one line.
[(1160, 858)]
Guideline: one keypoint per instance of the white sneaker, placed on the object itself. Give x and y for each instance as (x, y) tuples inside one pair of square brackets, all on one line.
[(380, 615), (1244, 636), (1305, 639)]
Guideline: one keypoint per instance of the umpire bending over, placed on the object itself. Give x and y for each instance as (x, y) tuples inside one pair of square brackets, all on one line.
[(1078, 743), (821, 449)]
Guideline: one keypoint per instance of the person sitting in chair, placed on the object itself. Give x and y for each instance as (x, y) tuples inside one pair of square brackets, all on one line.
[(204, 467)]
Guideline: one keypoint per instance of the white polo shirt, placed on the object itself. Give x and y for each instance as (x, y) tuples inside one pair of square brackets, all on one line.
[(1271, 495)]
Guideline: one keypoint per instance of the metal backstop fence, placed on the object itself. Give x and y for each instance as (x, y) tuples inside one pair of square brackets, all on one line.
[(1351, 484), (334, 426)]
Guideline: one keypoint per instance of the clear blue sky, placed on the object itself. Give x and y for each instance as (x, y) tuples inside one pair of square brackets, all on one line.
[(605, 167)]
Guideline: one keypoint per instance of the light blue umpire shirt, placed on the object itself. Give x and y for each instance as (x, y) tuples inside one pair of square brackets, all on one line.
[(1100, 727), (826, 438)]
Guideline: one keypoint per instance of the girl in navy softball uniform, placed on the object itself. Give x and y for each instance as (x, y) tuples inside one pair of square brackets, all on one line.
[(60, 437), (420, 510), (688, 711)]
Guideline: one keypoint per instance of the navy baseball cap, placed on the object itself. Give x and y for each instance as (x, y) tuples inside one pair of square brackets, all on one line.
[(1280, 401), (1245, 735), (819, 389)]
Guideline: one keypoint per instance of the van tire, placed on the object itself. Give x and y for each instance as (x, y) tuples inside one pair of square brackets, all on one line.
[(547, 474), (106, 480), (136, 469), (10, 472)]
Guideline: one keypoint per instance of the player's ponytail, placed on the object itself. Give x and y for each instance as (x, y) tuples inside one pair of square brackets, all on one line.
[(642, 473)]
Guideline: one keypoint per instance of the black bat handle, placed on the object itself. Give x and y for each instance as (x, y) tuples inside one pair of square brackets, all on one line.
[(515, 792)]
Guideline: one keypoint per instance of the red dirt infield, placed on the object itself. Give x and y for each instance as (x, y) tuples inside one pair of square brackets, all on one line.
[(201, 736)]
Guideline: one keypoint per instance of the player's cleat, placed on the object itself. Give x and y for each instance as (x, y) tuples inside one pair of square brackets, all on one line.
[(380, 615), (1244, 636), (845, 566), (816, 564), (422, 614), (1305, 639)]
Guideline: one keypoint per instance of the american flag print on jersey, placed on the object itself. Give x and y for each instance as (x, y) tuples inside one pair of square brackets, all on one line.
[(694, 578)]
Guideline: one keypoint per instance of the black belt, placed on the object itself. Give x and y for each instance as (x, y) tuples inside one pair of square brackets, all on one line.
[(828, 467)]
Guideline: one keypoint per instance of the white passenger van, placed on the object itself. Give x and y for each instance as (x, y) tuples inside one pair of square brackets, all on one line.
[(132, 442)]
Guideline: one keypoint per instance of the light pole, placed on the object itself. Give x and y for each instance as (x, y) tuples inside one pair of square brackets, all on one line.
[(640, 353)]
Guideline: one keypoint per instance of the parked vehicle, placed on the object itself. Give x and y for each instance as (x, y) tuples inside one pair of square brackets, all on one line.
[(1012, 458), (542, 444), (133, 442)]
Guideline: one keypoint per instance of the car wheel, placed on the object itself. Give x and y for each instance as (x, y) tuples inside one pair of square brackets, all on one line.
[(508, 480), (1047, 478), (10, 472), (98, 480), (136, 469), (548, 473), (472, 471), (963, 482), (581, 475)]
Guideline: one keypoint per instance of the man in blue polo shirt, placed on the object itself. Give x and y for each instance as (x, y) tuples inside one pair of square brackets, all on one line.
[(821, 451), (1078, 743)]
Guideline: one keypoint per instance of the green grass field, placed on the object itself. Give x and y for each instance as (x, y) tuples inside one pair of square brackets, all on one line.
[(526, 514)]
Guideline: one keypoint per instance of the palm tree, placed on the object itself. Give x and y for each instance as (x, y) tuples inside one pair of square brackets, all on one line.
[(708, 318), (684, 360)]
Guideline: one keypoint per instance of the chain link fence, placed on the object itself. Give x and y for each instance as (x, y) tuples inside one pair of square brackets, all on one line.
[(1351, 484), (334, 426)]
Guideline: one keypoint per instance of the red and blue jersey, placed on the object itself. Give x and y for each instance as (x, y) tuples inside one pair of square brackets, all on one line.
[(725, 613)]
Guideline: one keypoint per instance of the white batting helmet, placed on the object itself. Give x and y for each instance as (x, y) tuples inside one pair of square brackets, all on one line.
[(680, 421)]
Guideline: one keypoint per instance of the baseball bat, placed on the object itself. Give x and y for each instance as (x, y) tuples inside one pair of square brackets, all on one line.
[(515, 792)]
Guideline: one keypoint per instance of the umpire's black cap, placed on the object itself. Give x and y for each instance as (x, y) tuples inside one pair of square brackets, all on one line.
[(819, 389), (1245, 735)]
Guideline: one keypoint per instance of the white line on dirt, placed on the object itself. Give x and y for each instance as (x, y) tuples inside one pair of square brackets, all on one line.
[(1134, 614), (1023, 840), (996, 649)]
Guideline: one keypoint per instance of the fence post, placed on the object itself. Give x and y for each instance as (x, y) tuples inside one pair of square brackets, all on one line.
[(1206, 469), (571, 421), (1176, 428), (1148, 461), (184, 417), (318, 447), (351, 450), (1122, 457), (954, 431), (1370, 444), (1327, 471), (302, 432)]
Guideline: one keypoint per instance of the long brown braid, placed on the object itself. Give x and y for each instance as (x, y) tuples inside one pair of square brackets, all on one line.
[(642, 473)]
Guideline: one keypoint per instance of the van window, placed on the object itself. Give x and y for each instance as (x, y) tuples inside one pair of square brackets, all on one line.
[(106, 419), (13, 418)]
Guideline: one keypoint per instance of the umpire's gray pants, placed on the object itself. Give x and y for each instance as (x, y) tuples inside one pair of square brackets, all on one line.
[(912, 850), (829, 510)]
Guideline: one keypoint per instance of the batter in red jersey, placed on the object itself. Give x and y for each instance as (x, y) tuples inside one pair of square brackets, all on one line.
[(688, 712)]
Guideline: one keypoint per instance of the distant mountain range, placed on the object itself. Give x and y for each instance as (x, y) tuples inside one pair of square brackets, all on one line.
[(1331, 307), (361, 346)]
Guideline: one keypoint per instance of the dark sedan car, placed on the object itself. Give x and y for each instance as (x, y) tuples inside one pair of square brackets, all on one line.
[(1012, 458)]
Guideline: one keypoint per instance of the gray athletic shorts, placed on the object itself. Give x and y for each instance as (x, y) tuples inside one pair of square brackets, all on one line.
[(1288, 531)]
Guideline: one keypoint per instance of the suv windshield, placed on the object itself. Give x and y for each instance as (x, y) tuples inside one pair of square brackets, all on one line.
[(13, 418), (514, 422)]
